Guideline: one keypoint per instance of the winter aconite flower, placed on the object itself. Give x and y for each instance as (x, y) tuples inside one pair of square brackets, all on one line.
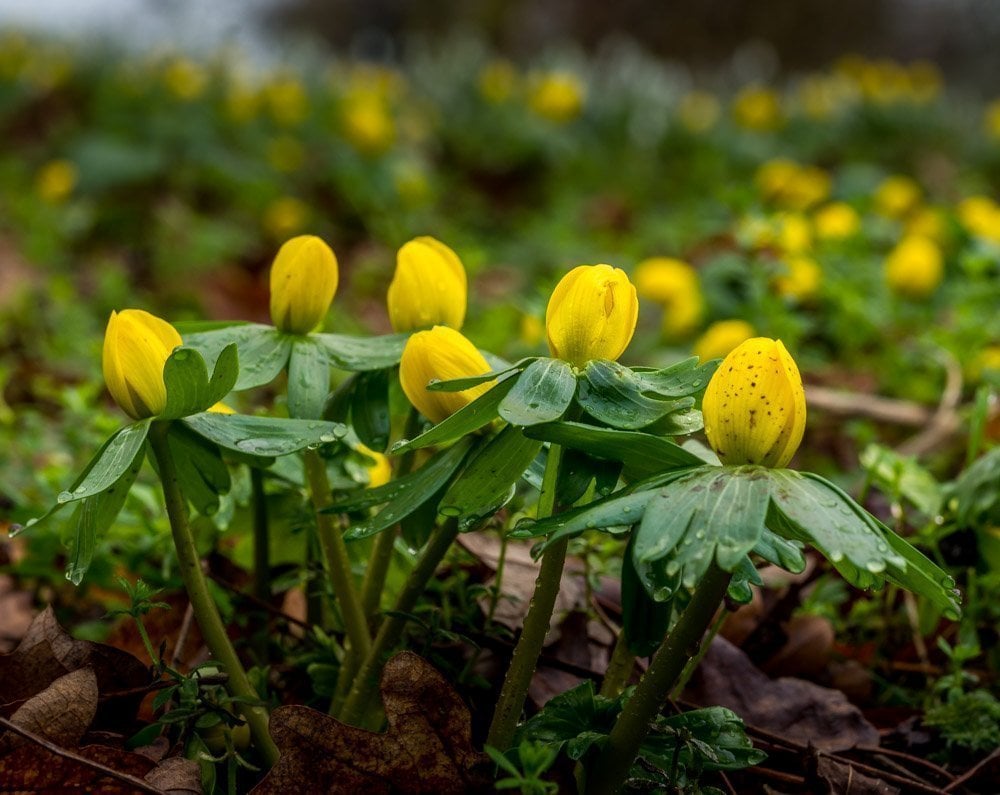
[(674, 285), (442, 354), (799, 280), (914, 268), (755, 406), (896, 196), (303, 282), (56, 181), (591, 315), (429, 287), (836, 221), (557, 96), (136, 346)]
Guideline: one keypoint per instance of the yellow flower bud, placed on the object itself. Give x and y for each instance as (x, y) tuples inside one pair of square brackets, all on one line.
[(444, 354), (428, 288), (836, 221), (303, 282), (721, 337), (136, 346), (914, 268), (755, 406), (591, 315)]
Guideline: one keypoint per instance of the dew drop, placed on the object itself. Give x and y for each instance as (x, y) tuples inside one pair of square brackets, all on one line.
[(875, 566), (450, 510), (836, 555), (180, 355), (700, 535), (64, 496), (328, 437)]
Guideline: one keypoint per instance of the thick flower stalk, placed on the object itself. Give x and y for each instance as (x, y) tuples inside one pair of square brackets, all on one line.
[(440, 353), (429, 287), (591, 315), (304, 280), (136, 346), (755, 405)]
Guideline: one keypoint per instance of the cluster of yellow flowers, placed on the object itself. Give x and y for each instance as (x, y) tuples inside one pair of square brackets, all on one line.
[(591, 314)]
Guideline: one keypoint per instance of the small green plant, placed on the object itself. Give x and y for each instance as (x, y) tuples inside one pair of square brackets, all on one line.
[(534, 760)]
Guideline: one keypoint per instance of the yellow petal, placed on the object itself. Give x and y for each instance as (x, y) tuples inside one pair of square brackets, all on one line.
[(591, 315), (429, 287), (304, 280), (754, 406), (136, 346), (443, 354)]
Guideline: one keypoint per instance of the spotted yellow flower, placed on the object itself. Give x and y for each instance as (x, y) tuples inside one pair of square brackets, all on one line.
[(304, 279), (591, 314), (443, 354), (721, 337), (755, 406), (136, 346), (915, 267), (429, 287)]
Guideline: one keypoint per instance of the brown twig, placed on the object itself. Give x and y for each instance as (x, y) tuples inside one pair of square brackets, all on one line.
[(182, 636), (875, 407), (945, 420), (277, 612), (973, 771), (138, 783)]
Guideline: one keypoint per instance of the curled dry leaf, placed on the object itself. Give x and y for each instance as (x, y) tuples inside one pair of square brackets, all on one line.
[(61, 713), (47, 653), (32, 769), (427, 747)]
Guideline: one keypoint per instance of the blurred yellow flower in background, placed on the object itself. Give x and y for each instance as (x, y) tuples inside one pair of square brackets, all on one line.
[(285, 216), (367, 122), (286, 100), (980, 215), (286, 154), (699, 111), (497, 81), (896, 196), (378, 469), (836, 221), (991, 119), (800, 279), (915, 267), (674, 285), (557, 95), (721, 337), (185, 79), (791, 184), (429, 287), (794, 233), (758, 109), (56, 181)]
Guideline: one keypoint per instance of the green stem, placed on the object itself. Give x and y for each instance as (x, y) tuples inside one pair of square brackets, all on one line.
[(378, 565), (335, 553), (619, 668), (536, 623), (145, 640), (205, 610), (392, 627), (261, 556), (610, 771)]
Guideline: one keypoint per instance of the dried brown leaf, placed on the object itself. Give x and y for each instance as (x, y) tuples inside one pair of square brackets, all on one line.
[(176, 776), (61, 713), (31, 768), (427, 747), (840, 778), (786, 706)]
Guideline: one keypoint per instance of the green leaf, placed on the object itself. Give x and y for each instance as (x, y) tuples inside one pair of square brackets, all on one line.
[(263, 350), (577, 471), (461, 384), (976, 491), (308, 379), (902, 476), (370, 409), (780, 551), (189, 389), (406, 495), (467, 419), (542, 393), (644, 620), (744, 575), (642, 454), (114, 458), (679, 380), (202, 473), (612, 394), (437, 469), (485, 483), (359, 354), (713, 513), (818, 513), (94, 516), (262, 437), (922, 576)]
